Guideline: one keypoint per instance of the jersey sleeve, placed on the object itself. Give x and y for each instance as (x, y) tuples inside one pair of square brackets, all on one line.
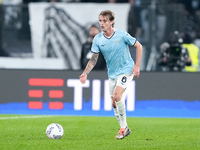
[(95, 47), (129, 39)]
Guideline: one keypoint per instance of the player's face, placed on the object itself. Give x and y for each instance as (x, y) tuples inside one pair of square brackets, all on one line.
[(105, 23)]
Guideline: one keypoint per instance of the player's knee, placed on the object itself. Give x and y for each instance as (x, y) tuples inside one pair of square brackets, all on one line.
[(116, 97)]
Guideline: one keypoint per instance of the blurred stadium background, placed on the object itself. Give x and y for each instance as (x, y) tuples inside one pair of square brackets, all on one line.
[(40, 50)]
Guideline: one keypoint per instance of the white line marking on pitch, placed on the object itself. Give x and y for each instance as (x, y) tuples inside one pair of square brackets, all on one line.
[(26, 117)]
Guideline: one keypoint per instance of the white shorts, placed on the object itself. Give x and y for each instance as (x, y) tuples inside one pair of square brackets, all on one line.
[(122, 81)]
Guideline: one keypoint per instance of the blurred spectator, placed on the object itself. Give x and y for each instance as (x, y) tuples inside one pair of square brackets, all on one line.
[(111, 1), (53, 1), (105, 1), (117, 1), (176, 19), (134, 21), (11, 2), (2, 51), (190, 6), (193, 53), (192, 12), (86, 54), (161, 16), (134, 24), (174, 57), (29, 1), (94, 1), (3, 11), (68, 1)]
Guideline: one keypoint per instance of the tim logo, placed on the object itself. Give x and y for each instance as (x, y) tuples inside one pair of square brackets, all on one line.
[(41, 82)]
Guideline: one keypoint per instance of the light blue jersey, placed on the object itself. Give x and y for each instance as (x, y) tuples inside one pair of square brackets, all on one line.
[(115, 51)]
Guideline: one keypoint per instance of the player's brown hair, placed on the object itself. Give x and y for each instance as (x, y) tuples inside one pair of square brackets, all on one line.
[(110, 15)]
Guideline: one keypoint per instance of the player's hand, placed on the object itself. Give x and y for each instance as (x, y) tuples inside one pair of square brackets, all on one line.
[(83, 78), (136, 71)]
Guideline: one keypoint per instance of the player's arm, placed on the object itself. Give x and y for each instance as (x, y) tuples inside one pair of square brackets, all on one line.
[(136, 68), (90, 65)]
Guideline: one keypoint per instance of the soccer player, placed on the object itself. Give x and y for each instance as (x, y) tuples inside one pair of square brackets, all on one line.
[(114, 45)]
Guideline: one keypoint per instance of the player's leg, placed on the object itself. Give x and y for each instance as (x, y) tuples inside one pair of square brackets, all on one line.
[(122, 83), (124, 129), (116, 114), (116, 111), (119, 113), (117, 97), (112, 84)]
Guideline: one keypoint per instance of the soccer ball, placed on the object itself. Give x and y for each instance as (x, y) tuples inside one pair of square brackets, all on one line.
[(54, 131)]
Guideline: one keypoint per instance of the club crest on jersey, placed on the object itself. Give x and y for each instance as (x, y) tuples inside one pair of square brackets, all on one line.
[(116, 42)]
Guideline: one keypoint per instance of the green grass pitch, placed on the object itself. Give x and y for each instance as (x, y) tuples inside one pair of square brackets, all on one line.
[(26, 132)]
